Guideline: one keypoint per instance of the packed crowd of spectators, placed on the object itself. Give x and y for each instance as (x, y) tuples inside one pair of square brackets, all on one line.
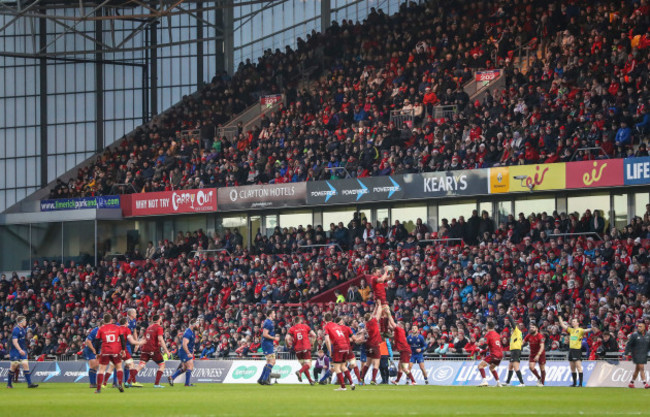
[(586, 86), (449, 290)]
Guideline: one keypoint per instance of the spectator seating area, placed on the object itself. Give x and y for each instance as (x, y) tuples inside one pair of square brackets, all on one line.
[(448, 288), (586, 87)]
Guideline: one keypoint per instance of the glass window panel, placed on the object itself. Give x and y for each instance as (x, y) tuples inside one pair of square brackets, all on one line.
[(407, 215), (10, 142), (31, 84), (335, 216), (60, 109), (11, 173), (51, 112), (21, 181), (46, 240), (21, 140), (295, 219), (620, 211), (31, 171), (14, 245), (51, 168), (453, 210), (529, 205), (60, 164), (78, 242), (10, 86), (10, 113), (581, 204), (32, 111), (504, 209), (640, 201)]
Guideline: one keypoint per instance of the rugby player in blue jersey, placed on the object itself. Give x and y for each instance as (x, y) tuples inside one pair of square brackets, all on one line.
[(418, 344), (186, 354), (18, 353), (90, 354)]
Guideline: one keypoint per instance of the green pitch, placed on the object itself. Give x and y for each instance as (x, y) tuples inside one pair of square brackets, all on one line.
[(51, 400)]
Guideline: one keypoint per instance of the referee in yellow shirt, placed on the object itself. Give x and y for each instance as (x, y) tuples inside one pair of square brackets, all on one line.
[(516, 341), (576, 334)]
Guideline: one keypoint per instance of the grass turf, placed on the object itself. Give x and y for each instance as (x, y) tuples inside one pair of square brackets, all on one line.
[(294, 400)]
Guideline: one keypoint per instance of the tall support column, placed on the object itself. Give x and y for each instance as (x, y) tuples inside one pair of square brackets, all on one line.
[(325, 14), (42, 66), (99, 84), (199, 49), (228, 38), (153, 68)]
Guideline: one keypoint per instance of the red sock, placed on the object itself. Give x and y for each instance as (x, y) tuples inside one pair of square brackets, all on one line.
[(348, 376), (411, 377), (374, 374), (305, 370), (364, 371), (534, 371), (158, 376), (120, 377), (341, 379), (496, 376), (482, 371), (399, 375), (543, 376), (357, 374), (107, 376), (132, 375), (100, 378)]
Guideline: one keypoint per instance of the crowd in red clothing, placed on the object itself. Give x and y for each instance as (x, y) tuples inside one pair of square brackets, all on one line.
[(448, 290), (587, 86)]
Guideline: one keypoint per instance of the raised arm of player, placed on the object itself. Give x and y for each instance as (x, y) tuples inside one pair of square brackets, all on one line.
[(563, 323), (391, 322), (376, 314), (592, 329), (509, 317)]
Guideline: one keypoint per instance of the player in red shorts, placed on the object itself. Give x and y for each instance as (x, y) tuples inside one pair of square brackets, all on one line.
[(357, 339), (494, 358), (113, 347), (299, 336), (404, 349), (337, 340), (372, 344), (537, 353), (131, 343), (378, 284), (150, 351)]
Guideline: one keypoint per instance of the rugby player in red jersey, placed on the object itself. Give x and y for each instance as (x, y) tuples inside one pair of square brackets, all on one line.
[(372, 344), (111, 351), (351, 359), (299, 336), (154, 341), (337, 340), (494, 358), (378, 284), (131, 343), (404, 349), (537, 354)]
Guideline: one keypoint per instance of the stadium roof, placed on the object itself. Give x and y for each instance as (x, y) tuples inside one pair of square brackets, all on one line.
[(142, 12)]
